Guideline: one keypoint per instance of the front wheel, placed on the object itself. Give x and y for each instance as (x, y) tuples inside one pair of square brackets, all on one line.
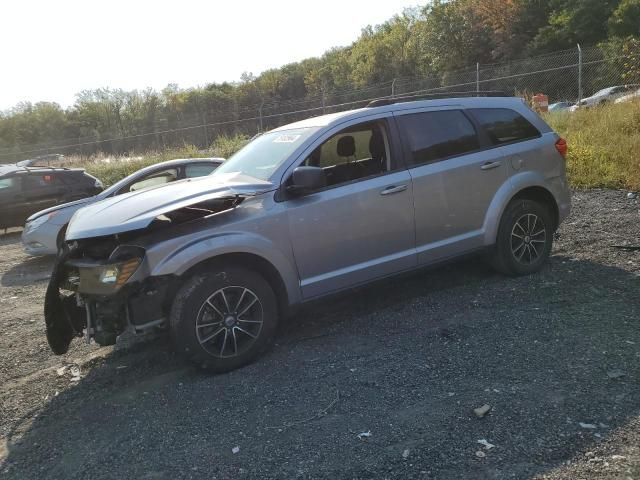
[(525, 238), (223, 320)]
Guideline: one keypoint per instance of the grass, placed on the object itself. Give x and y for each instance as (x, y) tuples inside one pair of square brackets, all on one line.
[(604, 149), (604, 145)]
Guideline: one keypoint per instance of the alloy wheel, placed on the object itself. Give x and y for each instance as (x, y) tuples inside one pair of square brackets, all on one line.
[(229, 321), (528, 238)]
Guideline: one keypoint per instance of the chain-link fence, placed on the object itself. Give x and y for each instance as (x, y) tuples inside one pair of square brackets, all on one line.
[(568, 75)]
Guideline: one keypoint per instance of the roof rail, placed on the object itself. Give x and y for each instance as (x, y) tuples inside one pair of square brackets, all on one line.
[(379, 102), (45, 167)]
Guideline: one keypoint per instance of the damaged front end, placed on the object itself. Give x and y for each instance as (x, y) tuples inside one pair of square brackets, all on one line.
[(101, 287)]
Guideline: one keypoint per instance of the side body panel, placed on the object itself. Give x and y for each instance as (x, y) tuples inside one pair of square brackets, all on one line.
[(259, 226), (12, 203), (353, 233), (452, 197)]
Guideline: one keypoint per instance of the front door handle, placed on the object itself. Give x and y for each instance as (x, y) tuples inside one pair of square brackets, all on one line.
[(490, 165), (393, 189)]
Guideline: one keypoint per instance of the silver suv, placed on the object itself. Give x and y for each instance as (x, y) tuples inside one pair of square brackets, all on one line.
[(307, 210)]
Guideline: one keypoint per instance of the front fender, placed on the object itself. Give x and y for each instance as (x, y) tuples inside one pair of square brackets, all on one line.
[(186, 255), (502, 198)]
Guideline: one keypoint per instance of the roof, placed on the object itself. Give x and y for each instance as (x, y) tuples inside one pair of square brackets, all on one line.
[(176, 162), (339, 117), (13, 168), (8, 169), (182, 161)]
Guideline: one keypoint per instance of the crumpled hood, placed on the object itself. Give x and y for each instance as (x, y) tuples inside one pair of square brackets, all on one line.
[(136, 210), (76, 203)]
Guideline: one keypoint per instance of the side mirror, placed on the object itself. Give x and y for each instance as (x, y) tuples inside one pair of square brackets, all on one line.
[(306, 180)]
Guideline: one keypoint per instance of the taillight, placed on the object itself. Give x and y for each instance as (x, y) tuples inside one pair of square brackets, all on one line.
[(562, 147)]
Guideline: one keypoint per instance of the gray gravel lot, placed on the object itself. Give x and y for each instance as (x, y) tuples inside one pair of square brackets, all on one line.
[(556, 355)]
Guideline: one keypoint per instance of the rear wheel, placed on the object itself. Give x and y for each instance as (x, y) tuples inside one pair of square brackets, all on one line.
[(224, 320), (525, 238)]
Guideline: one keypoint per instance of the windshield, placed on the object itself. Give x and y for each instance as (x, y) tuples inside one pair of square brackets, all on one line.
[(265, 154)]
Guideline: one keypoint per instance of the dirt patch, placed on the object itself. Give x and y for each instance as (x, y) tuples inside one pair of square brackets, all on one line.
[(555, 355)]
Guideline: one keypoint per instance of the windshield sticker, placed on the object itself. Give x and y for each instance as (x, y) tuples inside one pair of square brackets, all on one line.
[(286, 138)]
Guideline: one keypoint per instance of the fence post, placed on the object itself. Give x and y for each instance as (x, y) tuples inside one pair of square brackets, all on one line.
[(260, 114), (477, 76), (579, 73), (393, 88), (324, 96)]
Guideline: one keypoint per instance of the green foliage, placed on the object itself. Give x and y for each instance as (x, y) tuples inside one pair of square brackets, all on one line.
[(110, 169), (432, 41), (225, 146), (603, 145), (574, 21), (625, 20)]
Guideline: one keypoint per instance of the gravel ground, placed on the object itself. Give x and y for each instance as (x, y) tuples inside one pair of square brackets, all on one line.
[(556, 356)]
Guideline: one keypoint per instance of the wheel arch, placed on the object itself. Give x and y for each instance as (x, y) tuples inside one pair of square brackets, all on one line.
[(253, 262), (543, 196), (529, 186)]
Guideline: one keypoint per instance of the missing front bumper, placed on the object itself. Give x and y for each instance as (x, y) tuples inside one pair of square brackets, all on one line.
[(70, 312)]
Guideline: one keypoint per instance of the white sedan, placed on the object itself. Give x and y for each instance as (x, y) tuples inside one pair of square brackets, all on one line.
[(45, 230), (606, 95), (628, 98)]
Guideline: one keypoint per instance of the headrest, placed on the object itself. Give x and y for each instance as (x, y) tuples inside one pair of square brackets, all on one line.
[(376, 145), (346, 146)]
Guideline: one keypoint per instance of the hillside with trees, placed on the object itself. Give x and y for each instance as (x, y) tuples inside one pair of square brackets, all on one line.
[(431, 41)]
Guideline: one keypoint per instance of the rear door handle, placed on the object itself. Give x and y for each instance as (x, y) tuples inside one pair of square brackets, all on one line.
[(393, 189), (490, 165)]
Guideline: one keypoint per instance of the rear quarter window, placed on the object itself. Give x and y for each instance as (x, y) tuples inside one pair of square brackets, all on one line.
[(199, 170), (504, 125), (433, 136)]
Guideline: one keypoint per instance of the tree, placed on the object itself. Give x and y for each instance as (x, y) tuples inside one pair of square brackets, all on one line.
[(454, 37), (625, 20), (574, 21)]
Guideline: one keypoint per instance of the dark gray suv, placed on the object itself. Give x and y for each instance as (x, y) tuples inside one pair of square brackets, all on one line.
[(307, 210), (26, 190)]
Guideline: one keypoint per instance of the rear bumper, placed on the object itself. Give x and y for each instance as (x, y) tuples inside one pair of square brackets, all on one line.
[(562, 193)]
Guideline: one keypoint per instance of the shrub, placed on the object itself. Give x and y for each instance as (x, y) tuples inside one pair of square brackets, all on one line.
[(604, 145)]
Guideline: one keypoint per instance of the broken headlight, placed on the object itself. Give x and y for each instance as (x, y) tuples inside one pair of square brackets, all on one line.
[(117, 274), (107, 277)]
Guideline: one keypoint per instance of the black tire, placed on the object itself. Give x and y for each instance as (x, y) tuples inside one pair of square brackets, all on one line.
[(522, 256), (198, 312), (61, 235)]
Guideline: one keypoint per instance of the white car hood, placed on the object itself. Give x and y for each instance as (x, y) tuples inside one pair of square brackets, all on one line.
[(136, 210), (77, 204)]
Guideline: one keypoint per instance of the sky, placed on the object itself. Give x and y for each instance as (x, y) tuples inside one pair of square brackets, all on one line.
[(52, 50)]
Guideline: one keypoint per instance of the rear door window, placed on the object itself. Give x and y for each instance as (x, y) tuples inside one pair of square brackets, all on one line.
[(504, 125), (433, 136)]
